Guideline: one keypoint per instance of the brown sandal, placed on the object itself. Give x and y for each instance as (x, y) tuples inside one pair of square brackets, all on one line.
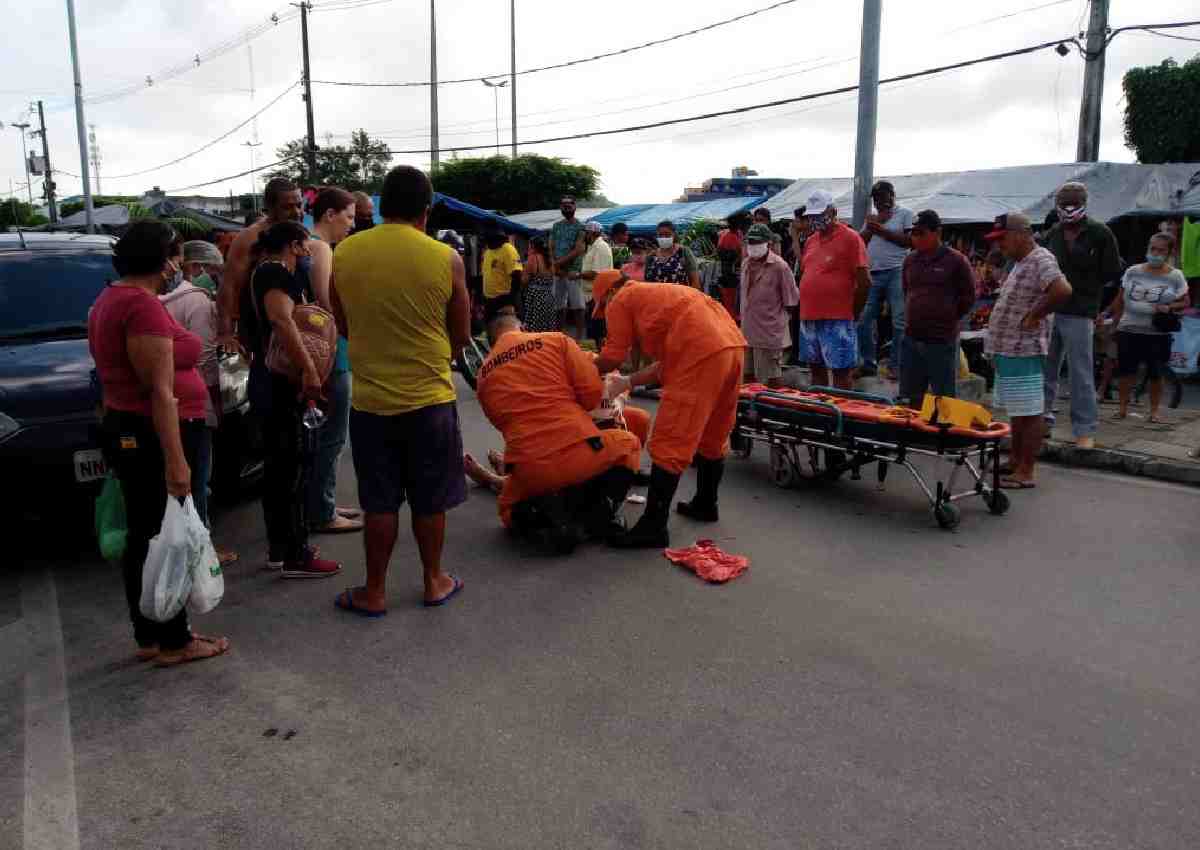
[(199, 649), (147, 653)]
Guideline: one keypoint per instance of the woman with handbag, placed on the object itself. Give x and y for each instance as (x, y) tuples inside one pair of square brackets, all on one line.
[(154, 405), (1146, 312), (287, 373)]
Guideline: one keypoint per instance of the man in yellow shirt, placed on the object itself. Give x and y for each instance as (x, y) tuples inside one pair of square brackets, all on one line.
[(501, 272), (401, 300)]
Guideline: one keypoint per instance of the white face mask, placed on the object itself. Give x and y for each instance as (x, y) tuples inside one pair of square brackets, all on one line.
[(757, 252), (665, 242)]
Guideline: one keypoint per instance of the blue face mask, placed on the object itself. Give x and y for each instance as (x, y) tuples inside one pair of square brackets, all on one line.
[(1156, 260)]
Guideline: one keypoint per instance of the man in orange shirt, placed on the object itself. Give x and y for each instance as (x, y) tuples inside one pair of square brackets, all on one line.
[(699, 354), (537, 389)]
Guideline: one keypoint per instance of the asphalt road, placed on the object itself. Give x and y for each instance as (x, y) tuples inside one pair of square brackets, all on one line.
[(1030, 681)]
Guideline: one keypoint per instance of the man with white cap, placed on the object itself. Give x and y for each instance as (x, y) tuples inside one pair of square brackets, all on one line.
[(886, 236), (598, 258), (833, 290)]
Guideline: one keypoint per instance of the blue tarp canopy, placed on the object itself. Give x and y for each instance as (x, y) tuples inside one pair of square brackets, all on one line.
[(642, 219), (443, 204)]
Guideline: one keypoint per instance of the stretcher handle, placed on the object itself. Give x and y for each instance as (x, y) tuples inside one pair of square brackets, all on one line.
[(807, 402), (854, 395)]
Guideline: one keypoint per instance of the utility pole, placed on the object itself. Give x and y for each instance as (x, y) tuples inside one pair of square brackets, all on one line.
[(1088, 149), (433, 87), (868, 105), (253, 188), (513, 74), (48, 173), (311, 152), (95, 154), (80, 126), (22, 129)]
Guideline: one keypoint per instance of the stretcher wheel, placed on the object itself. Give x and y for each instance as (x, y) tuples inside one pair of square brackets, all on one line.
[(998, 502), (947, 515), (783, 473), (741, 445)]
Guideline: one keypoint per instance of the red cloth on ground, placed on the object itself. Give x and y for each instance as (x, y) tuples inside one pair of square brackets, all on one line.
[(707, 560)]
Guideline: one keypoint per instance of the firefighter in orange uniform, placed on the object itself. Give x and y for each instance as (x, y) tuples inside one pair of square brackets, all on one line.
[(698, 353), (537, 389)]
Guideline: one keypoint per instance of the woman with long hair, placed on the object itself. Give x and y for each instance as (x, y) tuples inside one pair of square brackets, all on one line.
[(154, 406), (540, 311), (267, 307)]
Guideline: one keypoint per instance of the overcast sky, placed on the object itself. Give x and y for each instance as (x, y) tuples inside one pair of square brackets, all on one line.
[(1017, 111)]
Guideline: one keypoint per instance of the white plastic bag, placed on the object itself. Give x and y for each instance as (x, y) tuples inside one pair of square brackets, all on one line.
[(208, 584), (166, 574)]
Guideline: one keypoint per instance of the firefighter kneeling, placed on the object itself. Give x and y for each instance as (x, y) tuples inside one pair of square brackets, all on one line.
[(567, 480)]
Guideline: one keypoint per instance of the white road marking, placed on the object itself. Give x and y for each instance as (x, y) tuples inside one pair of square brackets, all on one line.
[(50, 819)]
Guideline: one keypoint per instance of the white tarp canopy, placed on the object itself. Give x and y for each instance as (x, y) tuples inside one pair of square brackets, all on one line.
[(977, 197), (544, 219), (113, 215)]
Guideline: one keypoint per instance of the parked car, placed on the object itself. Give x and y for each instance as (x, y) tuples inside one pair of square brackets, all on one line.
[(50, 456)]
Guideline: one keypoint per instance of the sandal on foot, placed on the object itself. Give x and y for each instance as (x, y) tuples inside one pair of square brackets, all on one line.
[(338, 525), (200, 649), (1016, 484), (458, 586), (147, 653), (225, 557), (348, 513), (345, 601)]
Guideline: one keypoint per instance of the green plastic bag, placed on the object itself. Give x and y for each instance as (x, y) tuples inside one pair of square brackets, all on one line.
[(110, 520), (1189, 251)]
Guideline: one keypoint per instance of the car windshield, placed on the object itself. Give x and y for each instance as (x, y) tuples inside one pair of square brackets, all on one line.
[(50, 293)]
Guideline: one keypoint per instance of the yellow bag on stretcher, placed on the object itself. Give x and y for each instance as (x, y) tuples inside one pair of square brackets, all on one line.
[(942, 410)]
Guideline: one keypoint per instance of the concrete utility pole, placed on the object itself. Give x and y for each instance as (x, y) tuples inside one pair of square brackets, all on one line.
[(48, 173), (868, 106), (89, 212), (433, 87), (1088, 149), (22, 129), (513, 75), (311, 153)]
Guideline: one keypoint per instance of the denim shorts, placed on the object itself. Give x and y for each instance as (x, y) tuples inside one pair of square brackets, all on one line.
[(415, 457), (829, 342)]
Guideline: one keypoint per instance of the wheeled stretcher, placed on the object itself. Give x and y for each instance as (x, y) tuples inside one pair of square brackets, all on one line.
[(822, 433)]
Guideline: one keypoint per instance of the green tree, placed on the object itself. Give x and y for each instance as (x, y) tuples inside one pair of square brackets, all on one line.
[(1161, 121), (359, 167), (518, 185), (14, 213)]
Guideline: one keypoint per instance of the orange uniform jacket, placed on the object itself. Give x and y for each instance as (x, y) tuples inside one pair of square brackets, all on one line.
[(537, 389), (675, 325)]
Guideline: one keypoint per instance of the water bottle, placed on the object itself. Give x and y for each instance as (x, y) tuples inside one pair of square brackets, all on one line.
[(313, 417)]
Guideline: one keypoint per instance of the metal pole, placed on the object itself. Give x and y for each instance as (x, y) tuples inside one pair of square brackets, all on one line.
[(868, 104), (25, 159), (80, 126), (496, 109), (311, 153), (512, 79), (48, 173), (433, 86), (1088, 148)]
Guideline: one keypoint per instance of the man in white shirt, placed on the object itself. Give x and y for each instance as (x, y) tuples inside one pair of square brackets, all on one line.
[(886, 235), (597, 258)]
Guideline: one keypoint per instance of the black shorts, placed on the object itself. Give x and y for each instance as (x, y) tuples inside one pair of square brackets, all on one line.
[(416, 456), (1135, 349), (492, 306)]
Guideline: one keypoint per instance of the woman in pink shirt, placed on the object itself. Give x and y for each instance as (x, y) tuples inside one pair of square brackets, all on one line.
[(154, 408)]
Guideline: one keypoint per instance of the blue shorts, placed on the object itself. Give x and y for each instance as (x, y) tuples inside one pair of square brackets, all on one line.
[(832, 343), (416, 456)]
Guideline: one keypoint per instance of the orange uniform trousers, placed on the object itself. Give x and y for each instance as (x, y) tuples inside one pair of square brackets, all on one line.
[(573, 465), (638, 422), (698, 411)]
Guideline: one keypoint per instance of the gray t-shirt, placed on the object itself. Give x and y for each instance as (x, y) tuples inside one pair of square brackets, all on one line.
[(1143, 291), (884, 255)]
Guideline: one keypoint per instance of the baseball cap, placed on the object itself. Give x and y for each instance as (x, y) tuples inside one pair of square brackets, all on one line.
[(199, 251), (593, 227), (1009, 223), (927, 220), (603, 282), (759, 233), (819, 201)]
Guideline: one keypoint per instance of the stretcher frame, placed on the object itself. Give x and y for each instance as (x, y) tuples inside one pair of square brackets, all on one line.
[(832, 451)]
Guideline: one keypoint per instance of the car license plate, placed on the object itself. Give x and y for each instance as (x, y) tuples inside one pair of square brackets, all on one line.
[(89, 466)]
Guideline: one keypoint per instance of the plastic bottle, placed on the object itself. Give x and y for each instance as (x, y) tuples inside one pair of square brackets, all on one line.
[(314, 417)]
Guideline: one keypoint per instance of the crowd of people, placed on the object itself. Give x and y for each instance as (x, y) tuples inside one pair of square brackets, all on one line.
[(350, 329)]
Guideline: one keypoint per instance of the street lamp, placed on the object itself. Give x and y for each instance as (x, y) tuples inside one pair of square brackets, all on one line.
[(495, 87), (21, 128)]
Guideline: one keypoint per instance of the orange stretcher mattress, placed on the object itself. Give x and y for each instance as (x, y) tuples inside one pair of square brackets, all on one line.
[(860, 417)]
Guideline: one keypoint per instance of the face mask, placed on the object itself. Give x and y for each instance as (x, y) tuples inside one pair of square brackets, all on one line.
[(666, 242), (1072, 215), (758, 251), (820, 223), (1156, 260), (205, 281)]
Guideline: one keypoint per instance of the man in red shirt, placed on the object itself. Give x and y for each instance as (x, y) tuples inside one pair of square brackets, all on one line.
[(833, 291), (730, 253)]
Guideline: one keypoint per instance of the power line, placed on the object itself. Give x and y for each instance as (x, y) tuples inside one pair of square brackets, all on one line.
[(239, 174), (208, 145), (572, 62), (1170, 35)]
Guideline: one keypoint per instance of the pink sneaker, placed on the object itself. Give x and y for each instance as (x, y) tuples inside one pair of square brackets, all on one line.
[(311, 567)]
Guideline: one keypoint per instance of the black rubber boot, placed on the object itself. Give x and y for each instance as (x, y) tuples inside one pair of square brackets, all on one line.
[(650, 532), (703, 506)]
